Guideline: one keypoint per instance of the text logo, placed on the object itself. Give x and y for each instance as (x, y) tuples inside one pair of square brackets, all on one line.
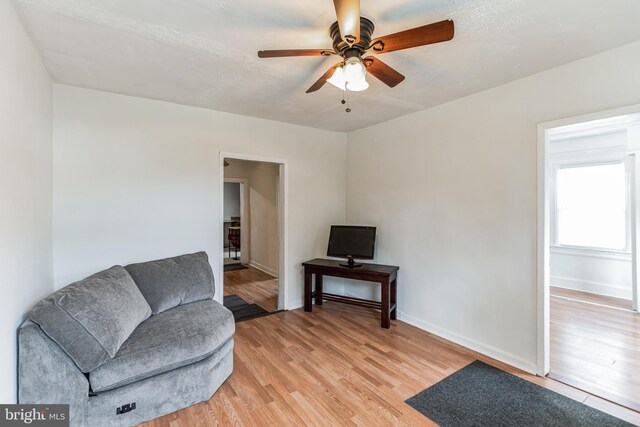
[(34, 415)]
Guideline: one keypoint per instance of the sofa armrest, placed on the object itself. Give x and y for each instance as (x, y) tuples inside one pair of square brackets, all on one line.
[(46, 375)]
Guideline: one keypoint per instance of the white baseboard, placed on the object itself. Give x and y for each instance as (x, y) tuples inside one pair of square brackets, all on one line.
[(486, 350), (590, 286), (263, 268), (296, 305)]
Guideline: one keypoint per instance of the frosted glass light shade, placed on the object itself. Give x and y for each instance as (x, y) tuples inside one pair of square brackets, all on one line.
[(350, 76), (354, 70), (358, 86), (338, 79)]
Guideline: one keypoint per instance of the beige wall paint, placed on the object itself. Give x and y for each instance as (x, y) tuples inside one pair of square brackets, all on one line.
[(453, 191), (25, 187)]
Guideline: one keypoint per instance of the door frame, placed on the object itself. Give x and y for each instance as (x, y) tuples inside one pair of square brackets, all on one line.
[(245, 237), (544, 171), (283, 220), (635, 229)]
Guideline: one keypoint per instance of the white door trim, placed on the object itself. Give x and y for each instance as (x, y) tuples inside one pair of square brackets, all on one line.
[(635, 227), (543, 240), (245, 235), (283, 221)]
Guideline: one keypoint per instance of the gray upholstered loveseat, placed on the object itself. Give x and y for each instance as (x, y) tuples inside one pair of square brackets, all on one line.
[(128, 344)]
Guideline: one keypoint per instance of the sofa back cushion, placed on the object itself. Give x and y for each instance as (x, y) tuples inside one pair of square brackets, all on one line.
[(91, 318), (170, 282)]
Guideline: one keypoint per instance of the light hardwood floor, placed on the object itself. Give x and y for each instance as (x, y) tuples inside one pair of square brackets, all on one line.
[(253, 286), (624, 304), (337, 367), (596, 348)]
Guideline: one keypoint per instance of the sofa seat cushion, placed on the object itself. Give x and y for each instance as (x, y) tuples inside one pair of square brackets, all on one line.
[(170, 282), (166, 341), (91, 319)]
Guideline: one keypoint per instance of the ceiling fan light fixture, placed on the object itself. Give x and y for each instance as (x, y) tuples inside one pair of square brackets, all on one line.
[(338, 79), (354, 70), (357, 86)]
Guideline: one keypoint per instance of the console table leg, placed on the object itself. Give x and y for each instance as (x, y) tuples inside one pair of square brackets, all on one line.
[(394, 298), (307, 291), (319, 296), (385, 300)]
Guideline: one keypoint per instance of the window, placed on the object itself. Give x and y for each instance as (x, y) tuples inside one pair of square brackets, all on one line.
[(591, 206)]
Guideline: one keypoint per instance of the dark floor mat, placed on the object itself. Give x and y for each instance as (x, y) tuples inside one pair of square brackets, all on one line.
[(234, 267), (242, 310), (482, 395)]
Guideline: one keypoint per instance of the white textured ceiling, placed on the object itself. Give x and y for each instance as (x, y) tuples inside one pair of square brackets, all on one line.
[(203, 52)]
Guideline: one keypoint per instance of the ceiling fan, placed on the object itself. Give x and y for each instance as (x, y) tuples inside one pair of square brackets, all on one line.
[(352, 38)]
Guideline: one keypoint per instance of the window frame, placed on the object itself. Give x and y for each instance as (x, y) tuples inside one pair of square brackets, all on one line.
[(587, 162)]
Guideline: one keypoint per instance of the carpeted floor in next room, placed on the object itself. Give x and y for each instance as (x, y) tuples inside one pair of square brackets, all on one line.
[(336, 366)]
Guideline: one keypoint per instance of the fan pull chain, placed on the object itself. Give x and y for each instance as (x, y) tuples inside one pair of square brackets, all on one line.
[(345, 100)]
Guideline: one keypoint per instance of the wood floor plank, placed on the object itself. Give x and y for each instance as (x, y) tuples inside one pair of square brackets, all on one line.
[(336, 366), (595, 348), (253, 286), (593, 298)]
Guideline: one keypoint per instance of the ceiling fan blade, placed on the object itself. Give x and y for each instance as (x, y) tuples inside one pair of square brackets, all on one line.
[(428, 34), (348, 13), (294, 52), (322, 80), (382, 71)]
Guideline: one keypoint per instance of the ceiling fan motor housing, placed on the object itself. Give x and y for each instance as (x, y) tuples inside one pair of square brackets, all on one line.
[(343, 49)]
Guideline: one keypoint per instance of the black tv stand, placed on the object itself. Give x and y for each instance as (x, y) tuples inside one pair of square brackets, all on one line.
[(350, 263), (386, 275)]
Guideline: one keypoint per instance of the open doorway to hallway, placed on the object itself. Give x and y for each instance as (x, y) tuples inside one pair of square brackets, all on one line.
[(590, 256), (251, 237), (232, 236)]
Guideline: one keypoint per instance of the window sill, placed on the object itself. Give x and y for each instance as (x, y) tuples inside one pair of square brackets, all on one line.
[(591, 252)]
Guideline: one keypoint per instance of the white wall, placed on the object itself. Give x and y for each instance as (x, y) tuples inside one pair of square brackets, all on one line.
[(25, 187), (453, 192), (592, 271), (263, 207), (138, 179), (231, 200)]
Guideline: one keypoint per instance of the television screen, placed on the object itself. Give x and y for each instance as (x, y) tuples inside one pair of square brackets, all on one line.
[(350, 241)]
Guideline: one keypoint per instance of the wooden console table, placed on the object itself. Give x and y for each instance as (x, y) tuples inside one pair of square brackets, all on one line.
[(386, 275)]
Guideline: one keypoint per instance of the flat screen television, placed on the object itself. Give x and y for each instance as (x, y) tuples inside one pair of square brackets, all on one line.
[(352, 242)]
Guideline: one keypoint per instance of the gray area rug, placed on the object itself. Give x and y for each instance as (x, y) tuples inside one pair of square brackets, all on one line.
[(234, 267), (482, 395), (242, 310)]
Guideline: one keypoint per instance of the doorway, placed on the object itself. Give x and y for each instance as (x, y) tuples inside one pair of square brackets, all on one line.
[(587, 255), (253, 195), (234, 205)]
